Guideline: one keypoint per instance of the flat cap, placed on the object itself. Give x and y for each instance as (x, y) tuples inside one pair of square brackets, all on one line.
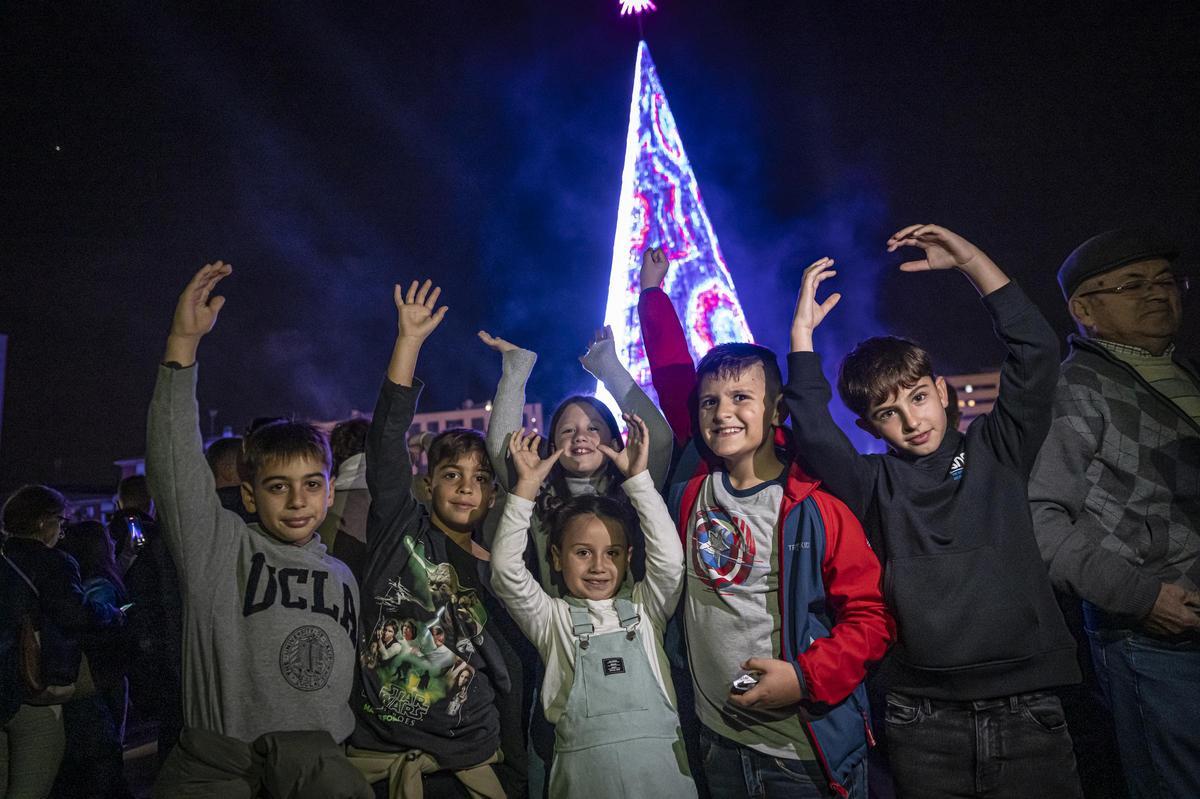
[(1112, 249)]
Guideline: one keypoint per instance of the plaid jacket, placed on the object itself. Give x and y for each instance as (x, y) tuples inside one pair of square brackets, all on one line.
[(1116, 488)]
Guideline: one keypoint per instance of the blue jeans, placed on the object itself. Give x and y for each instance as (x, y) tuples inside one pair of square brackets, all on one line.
[(1012, 747), (734, 771), (1153, 690)]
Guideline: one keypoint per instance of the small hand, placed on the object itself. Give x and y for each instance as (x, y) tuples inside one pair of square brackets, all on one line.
[(196, 312), (532, 470), (943, 248), (601, 347), (1174, 611), (777, 686), (809, 313), (415, 314), (498, 344), (632, 459), (654, 268)]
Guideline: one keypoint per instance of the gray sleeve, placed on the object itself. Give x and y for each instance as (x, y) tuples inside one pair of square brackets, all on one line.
[(1069, 536), (189, 512), (602, 363), (508, 409)]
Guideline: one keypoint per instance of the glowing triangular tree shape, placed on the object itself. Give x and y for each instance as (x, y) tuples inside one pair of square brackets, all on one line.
[(661, 206)]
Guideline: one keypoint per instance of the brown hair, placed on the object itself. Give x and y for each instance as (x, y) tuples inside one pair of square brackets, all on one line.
[(27, 506), (282, 441), (348, 439), (879, 367), (450, 444)]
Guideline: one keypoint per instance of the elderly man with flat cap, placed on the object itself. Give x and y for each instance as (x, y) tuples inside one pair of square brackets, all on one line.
[(1116, 500)]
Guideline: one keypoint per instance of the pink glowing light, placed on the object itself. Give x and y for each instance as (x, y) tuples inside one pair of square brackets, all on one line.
[(637, 7)]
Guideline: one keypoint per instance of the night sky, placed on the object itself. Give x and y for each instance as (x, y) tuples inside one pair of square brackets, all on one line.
[(330, 150)]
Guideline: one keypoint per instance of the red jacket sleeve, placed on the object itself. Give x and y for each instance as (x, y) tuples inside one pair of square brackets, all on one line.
[(863, 629), (671, 368)]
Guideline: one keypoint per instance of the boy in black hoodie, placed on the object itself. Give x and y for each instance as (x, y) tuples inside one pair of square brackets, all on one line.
[(431, 662), (981, 638)]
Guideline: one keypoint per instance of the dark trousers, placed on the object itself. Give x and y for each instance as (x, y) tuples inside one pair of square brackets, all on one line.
[(1012, 747)]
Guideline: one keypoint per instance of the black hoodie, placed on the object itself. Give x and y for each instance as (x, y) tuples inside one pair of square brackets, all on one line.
[(976, 614)]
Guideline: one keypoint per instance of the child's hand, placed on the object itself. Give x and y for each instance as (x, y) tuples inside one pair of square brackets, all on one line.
[(498, 344), (415, 316), (778, 686), (944, 249), (654, 268), (531, 468), (195, 313), (809, 313), (632, 459), (602, 347)]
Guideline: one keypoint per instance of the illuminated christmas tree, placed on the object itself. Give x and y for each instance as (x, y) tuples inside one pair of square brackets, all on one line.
[(660, 206)]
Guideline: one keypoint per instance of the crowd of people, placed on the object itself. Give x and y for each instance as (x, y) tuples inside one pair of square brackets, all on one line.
[(729, 600)]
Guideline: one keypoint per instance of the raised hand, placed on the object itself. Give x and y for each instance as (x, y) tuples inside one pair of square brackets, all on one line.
[(195, 313), (945, 249), (532, 469), (415, 314), (633, 458), (601, 347), (809, 313), (654, 268), (498, 344)]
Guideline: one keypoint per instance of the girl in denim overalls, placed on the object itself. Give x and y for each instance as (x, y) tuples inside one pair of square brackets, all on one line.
[(608, 686)]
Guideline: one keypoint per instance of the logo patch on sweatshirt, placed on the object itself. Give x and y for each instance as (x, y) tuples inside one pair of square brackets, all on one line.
[(613, 666), (306, 658), (958, 465)]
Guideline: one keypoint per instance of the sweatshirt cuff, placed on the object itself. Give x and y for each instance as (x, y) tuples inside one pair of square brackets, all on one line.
[(805, 695), (1143, 595), (518, 361), (1007, 302), (642, 481), (397, 390), (518, 502), (804, 367)]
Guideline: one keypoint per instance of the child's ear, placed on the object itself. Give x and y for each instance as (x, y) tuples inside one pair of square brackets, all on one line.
[(866, 426), (555, 559), (329, 492), (248, 498), (943, 395), (781, 412), (427, 481)]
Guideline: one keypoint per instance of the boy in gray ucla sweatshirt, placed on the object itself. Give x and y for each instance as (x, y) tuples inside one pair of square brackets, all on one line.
[(269, 618)]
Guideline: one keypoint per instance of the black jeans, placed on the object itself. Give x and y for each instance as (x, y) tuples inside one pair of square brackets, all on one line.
[(1014, 746)]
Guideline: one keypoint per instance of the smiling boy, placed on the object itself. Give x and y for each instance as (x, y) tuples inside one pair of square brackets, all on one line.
[(981, 638), (416, 712), (269, 621)]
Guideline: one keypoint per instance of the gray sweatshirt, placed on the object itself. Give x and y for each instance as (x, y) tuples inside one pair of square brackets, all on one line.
[(269, 628)]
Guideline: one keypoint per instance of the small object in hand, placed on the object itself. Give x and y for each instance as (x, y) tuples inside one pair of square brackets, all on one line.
[(744, 681)]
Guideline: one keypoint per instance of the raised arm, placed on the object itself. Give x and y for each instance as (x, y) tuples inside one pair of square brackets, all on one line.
[(658, 593), (527, 603), (672, 370), (508, 406), (602, 363), (822, 448), (1017, 424), (178, 474), (389, 465)]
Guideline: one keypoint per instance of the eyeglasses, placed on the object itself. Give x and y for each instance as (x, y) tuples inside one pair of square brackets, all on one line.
[(1141, 285)]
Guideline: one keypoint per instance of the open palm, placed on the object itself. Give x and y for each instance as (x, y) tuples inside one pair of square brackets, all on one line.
[(415, 314)]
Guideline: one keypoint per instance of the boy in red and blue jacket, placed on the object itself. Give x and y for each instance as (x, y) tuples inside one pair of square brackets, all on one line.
[(781, 582)]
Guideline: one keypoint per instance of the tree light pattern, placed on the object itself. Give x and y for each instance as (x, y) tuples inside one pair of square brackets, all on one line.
[(636, 7), (660, 205)]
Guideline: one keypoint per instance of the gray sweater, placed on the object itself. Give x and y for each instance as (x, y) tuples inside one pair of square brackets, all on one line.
[(268, 628), (1116, 488)]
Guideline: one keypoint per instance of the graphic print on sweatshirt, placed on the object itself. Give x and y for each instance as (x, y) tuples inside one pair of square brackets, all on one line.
[(722, 547), (306, 656), (423, 642)]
